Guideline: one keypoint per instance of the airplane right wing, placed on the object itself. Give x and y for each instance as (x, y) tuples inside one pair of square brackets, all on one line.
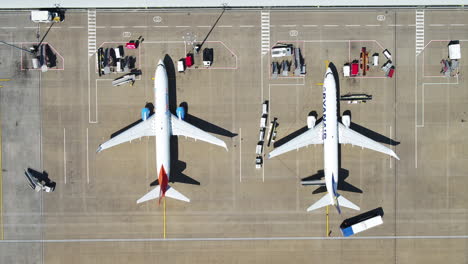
[(348, 136), (311, 136), (144, 128), (182, 128)]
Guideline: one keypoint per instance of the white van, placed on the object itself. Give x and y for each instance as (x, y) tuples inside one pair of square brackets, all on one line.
[(41, 16), (375, 59)]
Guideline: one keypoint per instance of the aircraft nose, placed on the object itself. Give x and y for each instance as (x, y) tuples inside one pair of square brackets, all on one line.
[(160, 62)]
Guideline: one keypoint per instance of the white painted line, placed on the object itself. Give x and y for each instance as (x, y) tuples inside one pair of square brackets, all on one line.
[(352, 25), (182, 26), (100, 26), (310, 25), (30, 27), (226, 26), (372, 25), (160, 26), (411, 25), (393, 148), (436, 25), (76, 27), (90, 240), (118, 26), (140, 26), (330, 25), (203, 26), (457, 25), (7, 27), (64, 157), (87, 154), (246, 26), (240, 154), (288, 25)]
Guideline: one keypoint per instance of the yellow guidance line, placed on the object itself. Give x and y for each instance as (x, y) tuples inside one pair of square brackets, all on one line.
[(327, 62), (328, 226), (4, 80), (164, 221), (319, 84)]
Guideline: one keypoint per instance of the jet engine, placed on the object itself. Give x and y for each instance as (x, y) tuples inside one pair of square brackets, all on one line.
[(311, 121), (180, 112), (346, 120), (145, 112)]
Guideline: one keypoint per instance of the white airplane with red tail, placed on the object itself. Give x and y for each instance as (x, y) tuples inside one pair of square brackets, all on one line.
[(163, 124)]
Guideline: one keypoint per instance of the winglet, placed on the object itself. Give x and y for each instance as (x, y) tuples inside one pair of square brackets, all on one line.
[(99, 149)]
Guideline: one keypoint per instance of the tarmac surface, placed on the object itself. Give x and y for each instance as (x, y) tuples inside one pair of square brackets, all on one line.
[(54, 122)]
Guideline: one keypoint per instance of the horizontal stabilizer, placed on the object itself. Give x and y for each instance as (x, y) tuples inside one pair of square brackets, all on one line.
[(324, 201), (346, 203), (314, 182), (170, 192)]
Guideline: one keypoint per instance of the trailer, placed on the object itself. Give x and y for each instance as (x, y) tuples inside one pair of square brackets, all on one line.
[(129, 78)]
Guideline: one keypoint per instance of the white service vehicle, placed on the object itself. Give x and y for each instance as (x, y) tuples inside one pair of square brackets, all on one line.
[(258, 162), (265, 108), (454, 50), (263, 121), (375, 59), (281, 51), (43, 16)]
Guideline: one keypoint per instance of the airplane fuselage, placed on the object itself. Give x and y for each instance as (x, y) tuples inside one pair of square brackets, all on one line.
[(330, 135), (162, 121)]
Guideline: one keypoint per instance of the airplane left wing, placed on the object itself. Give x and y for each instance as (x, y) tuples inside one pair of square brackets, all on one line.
[(144, 128), (348, 136), (311, 136), (182, 128)]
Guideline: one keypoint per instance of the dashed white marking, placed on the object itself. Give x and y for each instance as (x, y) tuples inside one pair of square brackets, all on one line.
[(457, 25), (8, 27), (288, 25), (395, 25), (436, 25), (330, 25), (100, 26), (246, 26), (64, 158), (31, 27), (240, 154), (75, 27), (87, 154), (310, 25), (372, 25), (352, 25), (411, 25), (140, 26), (203, 26), (118, 26), (225, 26), (182, 26), (160, 26)]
